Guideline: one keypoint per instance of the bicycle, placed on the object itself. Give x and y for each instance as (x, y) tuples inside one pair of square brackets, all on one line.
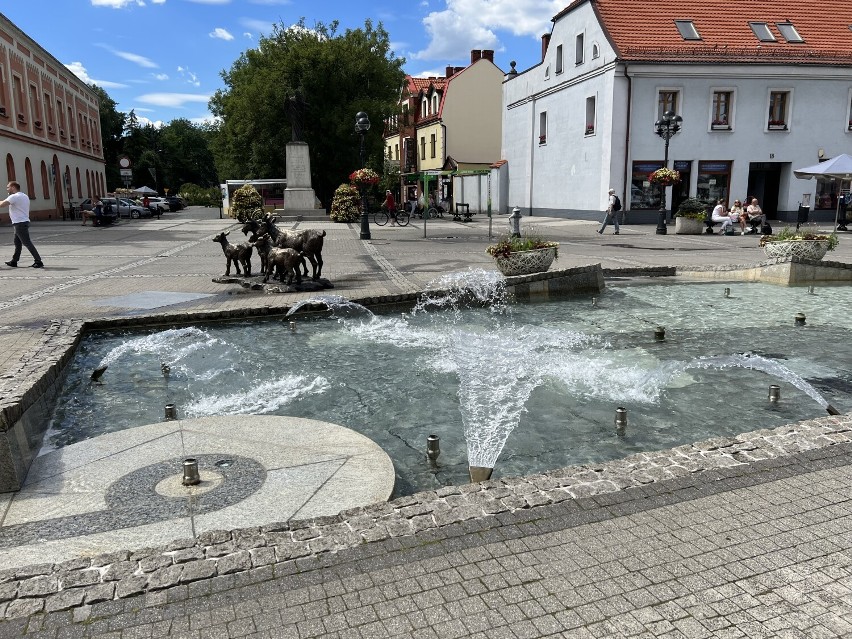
[(381, 217)]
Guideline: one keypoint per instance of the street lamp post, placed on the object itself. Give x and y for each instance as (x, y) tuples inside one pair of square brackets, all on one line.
[(666, 127), (362, 125)]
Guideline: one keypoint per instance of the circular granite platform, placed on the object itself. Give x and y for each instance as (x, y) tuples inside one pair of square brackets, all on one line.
[(124, 490)]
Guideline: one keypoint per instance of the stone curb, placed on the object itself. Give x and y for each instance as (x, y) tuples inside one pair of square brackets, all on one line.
[(78, 583)]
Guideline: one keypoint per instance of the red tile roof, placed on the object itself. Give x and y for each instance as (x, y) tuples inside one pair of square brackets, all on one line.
[(646, 31)]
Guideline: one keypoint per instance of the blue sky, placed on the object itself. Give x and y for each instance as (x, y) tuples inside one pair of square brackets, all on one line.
[(163, 58)]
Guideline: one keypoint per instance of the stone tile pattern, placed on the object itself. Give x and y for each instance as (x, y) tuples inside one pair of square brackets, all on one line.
[(617, 490)]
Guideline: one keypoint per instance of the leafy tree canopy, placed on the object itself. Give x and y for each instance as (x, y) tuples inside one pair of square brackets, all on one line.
[(338, 75)]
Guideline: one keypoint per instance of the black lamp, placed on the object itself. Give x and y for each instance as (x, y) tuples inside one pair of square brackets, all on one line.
[(362, 125), (666, 127)]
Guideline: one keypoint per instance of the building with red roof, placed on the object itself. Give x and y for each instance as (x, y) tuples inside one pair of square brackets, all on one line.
[(763, 88)]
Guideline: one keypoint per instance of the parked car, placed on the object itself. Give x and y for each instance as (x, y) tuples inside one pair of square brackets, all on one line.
[(175, 202), (159, 205), (126, 208)]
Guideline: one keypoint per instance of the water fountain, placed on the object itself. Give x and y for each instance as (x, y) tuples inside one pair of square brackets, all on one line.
[(533, 385)]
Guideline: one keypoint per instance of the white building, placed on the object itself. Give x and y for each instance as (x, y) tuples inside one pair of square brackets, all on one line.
[(50, 128), (763, 88)]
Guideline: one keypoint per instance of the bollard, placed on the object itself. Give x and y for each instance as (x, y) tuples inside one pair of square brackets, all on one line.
[(171, 413), (620, 420), (660, 333), (800, 319), (433, 447), (292, 327), (190, 472), (774, 393), (727, 292)]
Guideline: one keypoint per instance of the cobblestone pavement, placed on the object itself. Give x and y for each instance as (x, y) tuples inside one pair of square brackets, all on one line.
[(755, 544)]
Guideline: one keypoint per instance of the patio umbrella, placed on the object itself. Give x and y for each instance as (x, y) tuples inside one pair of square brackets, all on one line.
[(837, 168), (144, 190)]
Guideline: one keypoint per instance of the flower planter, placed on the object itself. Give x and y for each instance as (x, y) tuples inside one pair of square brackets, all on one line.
[(801, 249), (526, 262), (688, 226)]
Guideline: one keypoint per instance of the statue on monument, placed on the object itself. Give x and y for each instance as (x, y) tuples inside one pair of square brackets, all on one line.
[(296, 107)]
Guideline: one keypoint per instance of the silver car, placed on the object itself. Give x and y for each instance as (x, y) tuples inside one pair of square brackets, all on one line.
[(126, 208)]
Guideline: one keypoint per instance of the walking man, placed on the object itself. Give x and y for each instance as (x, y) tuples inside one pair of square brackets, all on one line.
[(19, 214), (611, 213)]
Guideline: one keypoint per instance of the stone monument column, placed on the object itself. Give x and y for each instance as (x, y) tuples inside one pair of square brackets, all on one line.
[(300, 201)]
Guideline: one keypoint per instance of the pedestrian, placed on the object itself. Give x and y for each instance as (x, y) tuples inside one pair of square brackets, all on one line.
[(390, 205), (611, 213), (19, 214), (96, 212)]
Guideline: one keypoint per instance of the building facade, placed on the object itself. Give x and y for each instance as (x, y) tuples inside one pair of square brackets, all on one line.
[(50, 127), (763, 89)]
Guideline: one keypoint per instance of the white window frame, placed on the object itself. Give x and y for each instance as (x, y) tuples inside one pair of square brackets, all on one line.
[(731, 108), (559, 66), (580, 48), (542, 127), (788, 109), (678, 107), (424, 107)]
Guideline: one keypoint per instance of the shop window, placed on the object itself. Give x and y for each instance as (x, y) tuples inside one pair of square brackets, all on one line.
[(559, 59), (720, 119), (580, 46), (590, 115), (542, 127), (643, 194), (667, 100), (826, 194), (714, 178), (779, 106)]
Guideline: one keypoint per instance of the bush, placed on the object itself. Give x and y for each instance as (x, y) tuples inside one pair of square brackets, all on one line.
[(246, 204), (692, 208), (345, 204)]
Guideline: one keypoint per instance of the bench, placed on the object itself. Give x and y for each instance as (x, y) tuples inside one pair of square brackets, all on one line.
[(461, 209)]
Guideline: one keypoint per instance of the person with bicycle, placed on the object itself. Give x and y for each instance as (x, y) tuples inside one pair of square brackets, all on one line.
[(390, 205)]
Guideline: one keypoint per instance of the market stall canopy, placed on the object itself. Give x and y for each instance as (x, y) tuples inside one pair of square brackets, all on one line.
[(837, 168), (144, 190)]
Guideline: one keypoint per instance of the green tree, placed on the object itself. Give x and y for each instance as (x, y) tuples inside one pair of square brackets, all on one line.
[(338, 75)]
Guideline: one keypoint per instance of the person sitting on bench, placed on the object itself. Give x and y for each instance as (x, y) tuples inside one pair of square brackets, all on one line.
[(719, 215), (738, 216), (95, 214), (756, 217)]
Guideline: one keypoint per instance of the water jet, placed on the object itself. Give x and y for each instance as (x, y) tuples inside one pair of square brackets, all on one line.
[(800, 319), (774, 393), (190, 472), (620, 420), (433, 447), (170, 412)]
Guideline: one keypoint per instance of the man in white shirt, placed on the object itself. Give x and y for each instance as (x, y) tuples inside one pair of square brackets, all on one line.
[(19, 214)]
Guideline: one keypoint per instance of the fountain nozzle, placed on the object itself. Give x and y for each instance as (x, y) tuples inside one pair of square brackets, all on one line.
[(190, 472), (831, 410), (727, 292), (433, 447), (774, 393), (620, 420), (800, 319), (292, 327), (166, 369), (100, 370), (660, 333), (479, 473), (171, 413)]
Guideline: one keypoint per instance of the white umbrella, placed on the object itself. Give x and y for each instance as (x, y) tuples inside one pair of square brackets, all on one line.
[(837, 168), (144, 190)]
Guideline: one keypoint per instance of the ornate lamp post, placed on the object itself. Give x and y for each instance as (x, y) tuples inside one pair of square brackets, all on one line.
[(666, 128), (362, 125)]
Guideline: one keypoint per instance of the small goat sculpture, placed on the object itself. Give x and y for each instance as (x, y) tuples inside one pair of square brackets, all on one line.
[(239, 254), (307, 242)]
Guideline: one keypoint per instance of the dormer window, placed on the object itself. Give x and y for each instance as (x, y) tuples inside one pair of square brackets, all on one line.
[(687, 30), (788, 32), (761, 30)]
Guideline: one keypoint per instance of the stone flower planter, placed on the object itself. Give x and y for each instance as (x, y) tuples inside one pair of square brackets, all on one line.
[(688, 226), (802, 249), (526, 262)]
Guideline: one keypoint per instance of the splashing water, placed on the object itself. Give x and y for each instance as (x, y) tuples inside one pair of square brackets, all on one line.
[(264, 398), (455, 290), (170, 346), (335, 303)]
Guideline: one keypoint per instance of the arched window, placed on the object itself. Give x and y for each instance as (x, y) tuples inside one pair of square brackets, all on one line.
[(68, 182), (435, 103), (10, 168), (88, 184), (79, 184), (28, 170), (45, 184)]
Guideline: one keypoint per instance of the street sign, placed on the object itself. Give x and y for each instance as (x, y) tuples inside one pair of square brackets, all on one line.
[(127, 179), (126, 172)]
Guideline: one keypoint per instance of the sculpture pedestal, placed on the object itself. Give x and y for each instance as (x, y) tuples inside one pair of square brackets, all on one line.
[(300, 201)]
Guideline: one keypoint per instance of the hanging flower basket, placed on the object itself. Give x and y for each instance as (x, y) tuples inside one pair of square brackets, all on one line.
[(364, 177), (664, 177)]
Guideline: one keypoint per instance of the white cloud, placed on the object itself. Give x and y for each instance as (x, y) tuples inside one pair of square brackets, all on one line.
[(210, 1), (188, 76), (143, 121), (175, 100), (248, 35), (161, 76), (221, 33), (474, 24), (135, 58), (117, 4), (205, 119), (260, 26), (79, 70)]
